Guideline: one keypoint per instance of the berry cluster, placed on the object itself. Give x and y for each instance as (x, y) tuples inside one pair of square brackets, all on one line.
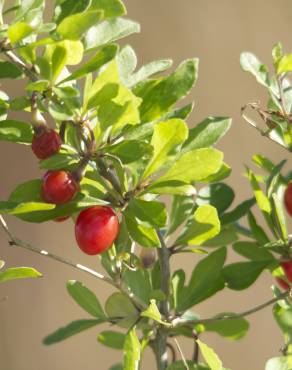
[(97, 227)]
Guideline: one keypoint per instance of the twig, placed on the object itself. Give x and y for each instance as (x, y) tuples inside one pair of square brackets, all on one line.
[(19, 243), (26, 70), (179, 322), (181, 354), (254, 125), (172, 350), (196, 353)]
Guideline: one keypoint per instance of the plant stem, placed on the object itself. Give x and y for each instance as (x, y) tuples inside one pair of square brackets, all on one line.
[(14, 241), (178, 322), (160, 342)]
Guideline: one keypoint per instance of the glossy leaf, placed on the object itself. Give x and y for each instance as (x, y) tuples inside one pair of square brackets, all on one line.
[(207, 133), (132, 351), (112, 339), (119, 305), (152, 212), (19, 31), (109, 31), (74, 26), (238, 212), (75, 327), (130, 150), (219, 195), (110, 8), (251, 64), (181, 209), (166, 139), (68, 7), (164, 93), (153, 313), (204, 279), (204, 226), (210, 356), (16, 131), (241, 275), (252, 251), (85, 298), (194, 166), (15, 273)]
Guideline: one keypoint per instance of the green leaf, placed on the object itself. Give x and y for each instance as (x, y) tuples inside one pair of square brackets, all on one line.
[(112, 339), (147, 71), (68, 7), (241, 275), (210, 356), (141, 232), (110, 8), (16, 131), (177, 281), (283, 316), (280, 216), (152, 212), (277, 53), (74, 26), (117, 367), (127, 62), (204, 226), (204, 279), (220, 175), (252, 251), (14, 273), (85, 298), (227, 235), (119, 305), (194, 166), (132, 351), (152, 312), (262, 200), (181, 208), (103, 56), (30, 192), (9, 70), (164, 93), (279, 363), (251, 64), (15, 208), (232, 329), (237, 213), (109, 31), (19, 31), (40, 86), (207, 133), (285, 64), (130, 151), (59, 59), (172, 187), (166, 140), (139, 283), (75, 327), (219, 195), (256, 230)]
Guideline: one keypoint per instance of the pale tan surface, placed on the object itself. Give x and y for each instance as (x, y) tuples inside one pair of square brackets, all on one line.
[(216, 32)]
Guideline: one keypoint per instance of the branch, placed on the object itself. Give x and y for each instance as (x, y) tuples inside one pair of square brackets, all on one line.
[(26, 70), (179, 322), (13, 241)]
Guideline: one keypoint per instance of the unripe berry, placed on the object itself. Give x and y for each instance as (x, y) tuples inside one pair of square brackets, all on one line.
[(59, 187), (287, 267), (46, 143), (147, 257), (288, 199), (96, 229)]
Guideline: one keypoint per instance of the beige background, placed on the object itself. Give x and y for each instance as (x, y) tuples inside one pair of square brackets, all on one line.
[(216, 32)]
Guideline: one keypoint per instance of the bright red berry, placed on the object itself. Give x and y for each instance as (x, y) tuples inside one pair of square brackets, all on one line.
[(287, 267), (96, 229), (288, 199), (46, 143), (59, 187)]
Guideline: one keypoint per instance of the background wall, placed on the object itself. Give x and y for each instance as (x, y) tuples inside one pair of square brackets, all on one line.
[(216, 32)]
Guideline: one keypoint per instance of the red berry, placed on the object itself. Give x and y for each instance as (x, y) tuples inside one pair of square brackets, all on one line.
[(287, 267), (59, 187), (46, 144), (96, 229), (288, 199)]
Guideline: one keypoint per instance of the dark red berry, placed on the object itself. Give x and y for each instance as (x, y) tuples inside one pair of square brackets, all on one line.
[(288, 199), (59, 187), (287, 267), (96, 229), (46, 143)]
